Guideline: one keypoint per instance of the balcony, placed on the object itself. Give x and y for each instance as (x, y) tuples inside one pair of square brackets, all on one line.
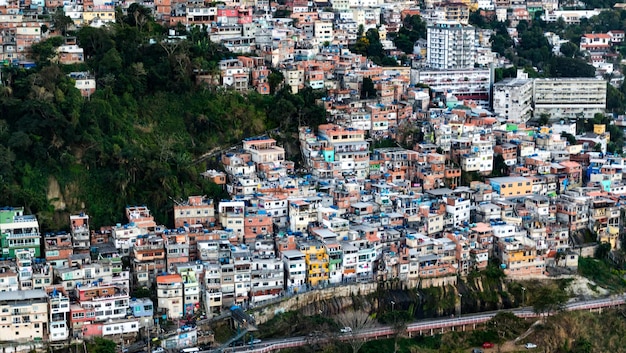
[(122, 294), (148, 247), (80, 229), (23, 235), (24, 219)]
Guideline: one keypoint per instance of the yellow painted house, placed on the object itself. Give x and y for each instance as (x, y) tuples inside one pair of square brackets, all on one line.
[(104, 13), (316, 260)]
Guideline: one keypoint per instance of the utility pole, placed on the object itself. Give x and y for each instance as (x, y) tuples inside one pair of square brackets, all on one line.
[(149, 339)]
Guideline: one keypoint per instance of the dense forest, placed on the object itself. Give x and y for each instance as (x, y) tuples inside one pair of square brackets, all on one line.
[(138, 138)]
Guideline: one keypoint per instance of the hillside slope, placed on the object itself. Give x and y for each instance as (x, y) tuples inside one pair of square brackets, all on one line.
[(135, 140)]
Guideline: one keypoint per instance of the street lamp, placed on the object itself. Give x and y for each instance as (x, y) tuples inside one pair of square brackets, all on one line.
[(523, 296), (392, 305)]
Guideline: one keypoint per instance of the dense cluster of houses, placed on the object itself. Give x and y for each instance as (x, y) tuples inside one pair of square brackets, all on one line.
[(352, 212), (308, 41), (358, 214)]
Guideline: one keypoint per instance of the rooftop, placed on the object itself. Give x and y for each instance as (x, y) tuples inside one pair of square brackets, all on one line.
[(24, 295)]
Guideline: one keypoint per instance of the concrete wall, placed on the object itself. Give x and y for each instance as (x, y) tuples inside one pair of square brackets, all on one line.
[(301, 300), (434, 282), (587, 250)]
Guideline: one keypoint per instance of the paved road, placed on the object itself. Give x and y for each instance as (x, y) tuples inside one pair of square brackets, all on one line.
[(424, 326)]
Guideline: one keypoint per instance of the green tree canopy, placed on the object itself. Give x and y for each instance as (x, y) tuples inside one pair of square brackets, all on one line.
[(367, 89), (46, 50), (143, 137), (561, 66), (101, 345), (413, 28), (548, 298)]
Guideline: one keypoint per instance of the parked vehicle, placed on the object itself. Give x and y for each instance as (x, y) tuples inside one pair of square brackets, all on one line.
[(346, 329), (158, 350), (530, 345), (190, 350), (477, 350), (487, 345)]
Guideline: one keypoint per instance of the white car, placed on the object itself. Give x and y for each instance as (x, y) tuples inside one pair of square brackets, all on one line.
[(530, 345), (346, 329), (158, 350)]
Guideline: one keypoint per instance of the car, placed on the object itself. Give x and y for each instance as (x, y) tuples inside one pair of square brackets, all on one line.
[(158, 350), (530, 345), (477, 350), (487, 345), (256, 341), (346, 329)]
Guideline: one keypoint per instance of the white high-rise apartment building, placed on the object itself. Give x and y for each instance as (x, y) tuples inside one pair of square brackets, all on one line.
[(512, 98), (451, 45), (569, 98)]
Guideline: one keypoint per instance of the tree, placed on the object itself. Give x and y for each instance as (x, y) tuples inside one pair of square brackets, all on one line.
[(614, 99), (361, 45), (111, 63), (582, 345), (533, 47), (141, 135), (42, 52), (101, 345), (571, 139), (367, 89), (602, 251), (507, 325), (499, 166), (569, 49), (398, 320), (561, 66), (548, 299), (375, 47), (357, 321), (477, 20), (360, 31), (544, 119), (413, 28), (61, 22), (138, 16), (275, 79)]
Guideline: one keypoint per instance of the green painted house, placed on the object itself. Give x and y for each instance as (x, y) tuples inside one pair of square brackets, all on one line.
[(18, 231)]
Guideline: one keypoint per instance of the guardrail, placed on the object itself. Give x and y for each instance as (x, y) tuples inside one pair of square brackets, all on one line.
[(428, 325)]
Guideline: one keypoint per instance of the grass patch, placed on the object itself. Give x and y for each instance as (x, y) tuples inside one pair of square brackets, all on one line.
[(601, 274), (573, 331), (222, 331), (421, 344), (292, 323)]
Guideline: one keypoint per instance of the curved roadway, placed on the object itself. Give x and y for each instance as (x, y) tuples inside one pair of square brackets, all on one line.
[(419, 326)]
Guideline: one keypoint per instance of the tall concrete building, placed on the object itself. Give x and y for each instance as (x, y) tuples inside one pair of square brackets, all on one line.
[(569, 98), (451, 45), (512, 98)]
